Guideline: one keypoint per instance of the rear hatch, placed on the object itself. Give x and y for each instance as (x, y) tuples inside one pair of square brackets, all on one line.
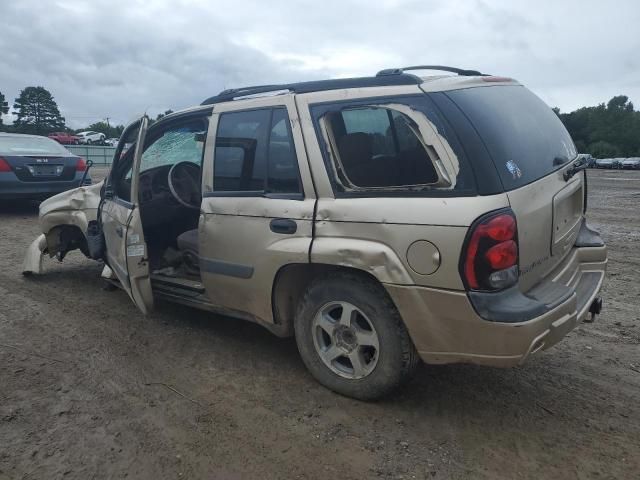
[(530, 149), (38, 159)]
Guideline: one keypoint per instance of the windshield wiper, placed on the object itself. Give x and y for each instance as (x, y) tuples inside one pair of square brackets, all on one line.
[(577, 166)]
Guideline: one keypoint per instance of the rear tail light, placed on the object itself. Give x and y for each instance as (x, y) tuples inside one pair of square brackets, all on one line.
[(490, 258), (4, 166), (81, 165)]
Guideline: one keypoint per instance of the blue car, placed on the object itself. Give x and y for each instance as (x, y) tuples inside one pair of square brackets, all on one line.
[(35, 167)]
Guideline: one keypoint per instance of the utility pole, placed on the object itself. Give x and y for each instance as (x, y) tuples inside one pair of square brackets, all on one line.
[(107, 119)]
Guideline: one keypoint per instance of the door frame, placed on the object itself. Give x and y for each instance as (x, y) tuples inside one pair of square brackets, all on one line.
[(128, 258)]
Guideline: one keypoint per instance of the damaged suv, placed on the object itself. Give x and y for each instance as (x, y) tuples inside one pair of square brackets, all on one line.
[(381, 220)]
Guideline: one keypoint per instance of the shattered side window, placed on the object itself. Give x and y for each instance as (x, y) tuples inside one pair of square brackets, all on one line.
[(382, 147), (396, 144), (180, 144)]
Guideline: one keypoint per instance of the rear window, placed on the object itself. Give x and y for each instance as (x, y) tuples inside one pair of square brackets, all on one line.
[(18, 145), (525, 138)]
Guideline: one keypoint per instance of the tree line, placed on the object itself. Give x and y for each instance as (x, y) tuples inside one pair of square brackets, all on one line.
[(37, 113), (605, 131)]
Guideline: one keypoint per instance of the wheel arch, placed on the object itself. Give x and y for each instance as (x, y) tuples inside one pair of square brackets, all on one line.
[(61, 239), (290, 284)]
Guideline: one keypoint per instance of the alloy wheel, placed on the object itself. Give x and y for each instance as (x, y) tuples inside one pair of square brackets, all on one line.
[(346, 340)]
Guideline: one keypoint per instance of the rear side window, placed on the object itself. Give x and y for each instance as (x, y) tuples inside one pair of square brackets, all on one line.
[(524, 137), (381, 147), (391, 146), (255, 153)]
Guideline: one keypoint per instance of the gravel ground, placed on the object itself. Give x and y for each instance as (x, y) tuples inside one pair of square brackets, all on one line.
[(90, 388)]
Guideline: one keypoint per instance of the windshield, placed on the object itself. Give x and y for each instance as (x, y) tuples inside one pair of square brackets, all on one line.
[(19, 145), (525, 138)]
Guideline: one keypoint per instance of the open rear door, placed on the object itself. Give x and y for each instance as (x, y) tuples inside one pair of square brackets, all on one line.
[(121, 222)]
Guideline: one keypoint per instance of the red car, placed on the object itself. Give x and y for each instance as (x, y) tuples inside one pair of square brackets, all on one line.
[(64, 138)]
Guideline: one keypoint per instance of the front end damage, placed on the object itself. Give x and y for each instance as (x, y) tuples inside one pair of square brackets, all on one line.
[(64, 219)]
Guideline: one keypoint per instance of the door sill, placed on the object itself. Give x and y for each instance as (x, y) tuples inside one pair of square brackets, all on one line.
[(177, 286)]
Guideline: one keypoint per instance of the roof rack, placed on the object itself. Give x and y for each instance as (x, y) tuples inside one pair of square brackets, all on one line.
[(315, 86), (443, 68)]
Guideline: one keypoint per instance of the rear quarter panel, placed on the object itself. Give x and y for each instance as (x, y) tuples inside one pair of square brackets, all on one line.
[(375, 235)]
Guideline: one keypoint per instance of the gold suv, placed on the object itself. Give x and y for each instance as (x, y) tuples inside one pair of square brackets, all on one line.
[(381, 220)]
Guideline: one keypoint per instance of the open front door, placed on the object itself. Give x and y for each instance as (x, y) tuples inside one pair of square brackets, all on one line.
[(120, 214)]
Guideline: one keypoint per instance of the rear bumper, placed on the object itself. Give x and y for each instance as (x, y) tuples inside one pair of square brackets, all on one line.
[(446, 328), (13, 188)]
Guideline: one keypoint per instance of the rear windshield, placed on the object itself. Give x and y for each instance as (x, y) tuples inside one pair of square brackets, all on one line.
[(11, 145), (523, 135)]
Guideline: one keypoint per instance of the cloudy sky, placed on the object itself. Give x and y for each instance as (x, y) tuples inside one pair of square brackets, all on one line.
[(120, 58)]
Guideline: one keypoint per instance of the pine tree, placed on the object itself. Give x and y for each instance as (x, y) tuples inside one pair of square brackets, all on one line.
[(4, 107), (37, 112)]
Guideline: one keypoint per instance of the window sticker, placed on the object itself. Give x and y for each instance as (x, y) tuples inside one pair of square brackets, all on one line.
[(135, 250)]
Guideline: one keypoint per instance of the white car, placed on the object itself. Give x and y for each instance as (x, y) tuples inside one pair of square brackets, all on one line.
[(113, 142), (631, 163), (90, 137)]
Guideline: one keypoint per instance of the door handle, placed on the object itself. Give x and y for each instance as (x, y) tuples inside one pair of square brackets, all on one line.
[(120, 231), (283, 225)]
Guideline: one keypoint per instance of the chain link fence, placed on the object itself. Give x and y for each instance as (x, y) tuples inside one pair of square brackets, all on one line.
[(99, 155)]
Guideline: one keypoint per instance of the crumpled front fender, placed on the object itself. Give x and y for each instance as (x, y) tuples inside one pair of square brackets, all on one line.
[(74, 207)]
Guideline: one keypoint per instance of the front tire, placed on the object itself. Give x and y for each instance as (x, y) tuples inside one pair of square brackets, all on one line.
[(351, 337)]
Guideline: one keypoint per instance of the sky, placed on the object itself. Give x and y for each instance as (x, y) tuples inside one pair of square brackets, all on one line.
[(122, 58)]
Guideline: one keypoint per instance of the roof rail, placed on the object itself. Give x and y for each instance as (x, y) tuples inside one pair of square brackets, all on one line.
[(314, 86), (459, 71), (232, 93)]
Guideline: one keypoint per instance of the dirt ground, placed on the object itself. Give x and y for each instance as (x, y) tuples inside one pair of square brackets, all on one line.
[(90, 388)]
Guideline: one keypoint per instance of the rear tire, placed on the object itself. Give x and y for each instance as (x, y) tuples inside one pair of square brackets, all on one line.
[(351, 337)]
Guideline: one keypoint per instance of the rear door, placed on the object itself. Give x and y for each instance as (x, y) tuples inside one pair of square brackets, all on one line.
[(258, 201), (531, 150), (121, 222)]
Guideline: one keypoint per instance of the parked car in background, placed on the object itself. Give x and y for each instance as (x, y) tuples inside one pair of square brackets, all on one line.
[(90, 137), (632, 163), (65, 138), (34, 167), (617, 162), (604, 163), (587, 158), (276, 209), (112, 142)]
